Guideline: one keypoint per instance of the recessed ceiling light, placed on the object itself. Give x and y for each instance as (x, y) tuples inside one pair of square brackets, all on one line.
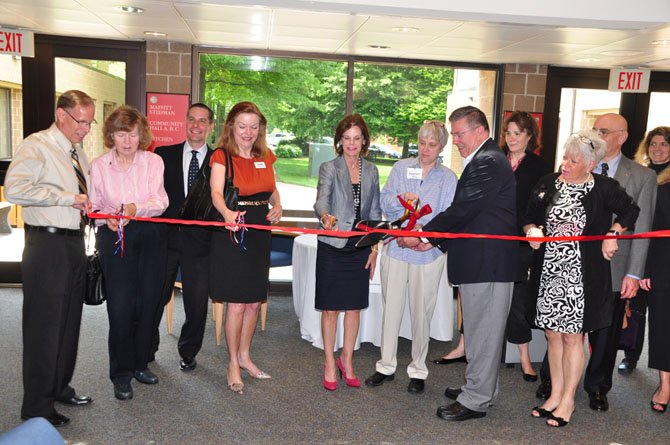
[(130, 9), (155, 33), (405, 29), (621, 52), (587, 60), (661, 42), (379, 46)]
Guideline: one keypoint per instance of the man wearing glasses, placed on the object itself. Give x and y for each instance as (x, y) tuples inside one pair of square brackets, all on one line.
[(485, 269), (629, 261), (48, 177)]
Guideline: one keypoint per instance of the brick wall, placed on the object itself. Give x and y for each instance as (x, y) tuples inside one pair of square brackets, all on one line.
[(168, 67), (524, 87)]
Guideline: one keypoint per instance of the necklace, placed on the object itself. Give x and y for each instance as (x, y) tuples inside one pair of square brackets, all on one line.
[(356, 188), (513, 163)]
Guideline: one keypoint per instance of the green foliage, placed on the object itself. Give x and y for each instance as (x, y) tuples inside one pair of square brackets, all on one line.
[(296, 171), (288, 151), (308, 97)]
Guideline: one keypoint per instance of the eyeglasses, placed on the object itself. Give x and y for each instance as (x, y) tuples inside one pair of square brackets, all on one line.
[(434, 122), (460, 134), (81, 123), (585, 140), (604, 131)]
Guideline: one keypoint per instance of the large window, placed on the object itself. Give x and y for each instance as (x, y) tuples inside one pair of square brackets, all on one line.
[(304, 99)]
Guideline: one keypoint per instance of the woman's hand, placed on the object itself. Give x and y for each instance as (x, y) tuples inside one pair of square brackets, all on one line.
[(609, 248), (645, 284), (329, 222), (533, 231), (274, 215), (409, 196), (371, 264), (231, 216)]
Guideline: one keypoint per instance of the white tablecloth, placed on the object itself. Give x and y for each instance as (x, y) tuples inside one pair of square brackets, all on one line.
[(304, 287)]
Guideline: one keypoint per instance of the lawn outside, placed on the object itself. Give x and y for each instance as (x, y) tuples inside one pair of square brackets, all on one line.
[(296, 171)]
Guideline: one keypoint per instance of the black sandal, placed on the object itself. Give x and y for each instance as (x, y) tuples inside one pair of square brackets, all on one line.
[(656, 405), (561, 422), (541, 412)]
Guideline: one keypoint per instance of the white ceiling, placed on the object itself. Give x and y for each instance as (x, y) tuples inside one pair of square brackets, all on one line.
[(616, 32)]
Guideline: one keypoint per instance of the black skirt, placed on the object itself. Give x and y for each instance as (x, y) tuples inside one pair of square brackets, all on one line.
[(239, 273), (342, 281)]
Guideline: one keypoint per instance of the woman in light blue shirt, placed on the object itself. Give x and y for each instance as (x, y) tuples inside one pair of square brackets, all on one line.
[(410, 273)]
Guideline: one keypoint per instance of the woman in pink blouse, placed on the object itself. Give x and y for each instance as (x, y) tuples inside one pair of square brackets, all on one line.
[(128, 181)]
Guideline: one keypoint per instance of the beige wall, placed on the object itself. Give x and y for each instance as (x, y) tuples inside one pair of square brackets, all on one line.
[(168, 67)]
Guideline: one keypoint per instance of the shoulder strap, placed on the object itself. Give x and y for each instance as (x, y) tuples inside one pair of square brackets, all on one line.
[(230, 173)]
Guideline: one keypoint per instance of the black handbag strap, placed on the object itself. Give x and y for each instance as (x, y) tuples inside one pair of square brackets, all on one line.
[(230, 172)]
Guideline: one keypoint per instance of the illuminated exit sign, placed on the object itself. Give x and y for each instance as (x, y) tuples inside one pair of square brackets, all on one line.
[(17, 42), (629, 80)]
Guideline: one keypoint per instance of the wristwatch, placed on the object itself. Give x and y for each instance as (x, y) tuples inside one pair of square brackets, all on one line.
[(613, 232)]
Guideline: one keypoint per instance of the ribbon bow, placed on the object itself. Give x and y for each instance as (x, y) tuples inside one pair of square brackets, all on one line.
[(412, 215)]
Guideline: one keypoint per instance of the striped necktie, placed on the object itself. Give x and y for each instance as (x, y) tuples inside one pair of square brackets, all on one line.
[(81, 179)]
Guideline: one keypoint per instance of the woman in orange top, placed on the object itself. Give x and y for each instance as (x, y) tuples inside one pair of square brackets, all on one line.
[(240, 259)]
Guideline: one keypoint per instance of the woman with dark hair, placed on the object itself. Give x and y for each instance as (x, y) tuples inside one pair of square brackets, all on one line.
[(654, 152), (572, 279), (240, 259), (521, 139), (347, 192), (128, 181)]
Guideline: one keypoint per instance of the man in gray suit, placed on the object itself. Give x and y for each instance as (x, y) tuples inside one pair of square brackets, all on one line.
[(628, 263)]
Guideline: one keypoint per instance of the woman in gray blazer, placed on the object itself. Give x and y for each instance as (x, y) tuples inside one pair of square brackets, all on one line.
[(348, 191)]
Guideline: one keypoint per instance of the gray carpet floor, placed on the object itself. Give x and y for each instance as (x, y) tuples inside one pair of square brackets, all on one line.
[(293, 408)]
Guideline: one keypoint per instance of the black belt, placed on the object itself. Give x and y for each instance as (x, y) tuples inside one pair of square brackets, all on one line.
[(54, 230)]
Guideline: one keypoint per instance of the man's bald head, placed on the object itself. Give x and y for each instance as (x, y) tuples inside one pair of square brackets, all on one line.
[(613, 128)]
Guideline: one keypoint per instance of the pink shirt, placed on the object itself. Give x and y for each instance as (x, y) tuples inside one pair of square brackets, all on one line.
[(141, 184)]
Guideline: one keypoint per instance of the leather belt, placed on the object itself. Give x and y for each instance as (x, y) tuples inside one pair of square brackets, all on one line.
[(54, 230), (253, 203)]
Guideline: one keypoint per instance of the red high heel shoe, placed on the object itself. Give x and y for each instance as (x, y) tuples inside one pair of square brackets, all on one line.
[(330, 386), (354, 383)]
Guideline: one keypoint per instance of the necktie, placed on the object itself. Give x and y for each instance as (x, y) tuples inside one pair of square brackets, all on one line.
[(81, 179), (604, 168), (193, 168)]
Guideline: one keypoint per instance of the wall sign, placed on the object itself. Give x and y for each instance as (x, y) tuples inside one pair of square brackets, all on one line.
[(166, 114), (17, 42), (629, 80)]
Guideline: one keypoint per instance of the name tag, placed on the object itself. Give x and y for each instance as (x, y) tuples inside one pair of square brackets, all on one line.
[(414, 173), (259, 164)]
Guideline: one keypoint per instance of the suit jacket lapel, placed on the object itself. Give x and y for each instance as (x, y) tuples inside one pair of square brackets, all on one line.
[(623, 172)]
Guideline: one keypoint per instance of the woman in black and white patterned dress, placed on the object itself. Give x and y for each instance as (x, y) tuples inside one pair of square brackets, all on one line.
[(572, 278)]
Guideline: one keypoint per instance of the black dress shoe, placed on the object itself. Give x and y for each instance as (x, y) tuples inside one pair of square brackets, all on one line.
[(452, 393), (187, 365), (146, 376), (416, 386), (544, 390), (598, 401), (56, 419), (75, 400), (457, 412), (449, 361), (123, 391), (627, 366), (378, 378), (529, 377)]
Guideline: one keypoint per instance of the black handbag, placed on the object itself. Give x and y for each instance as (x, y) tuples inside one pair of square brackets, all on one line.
[(198, 204), (629, 331), (95, 280)]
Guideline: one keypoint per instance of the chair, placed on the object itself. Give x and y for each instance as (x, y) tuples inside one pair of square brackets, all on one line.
[(169, 308), (32, 432)]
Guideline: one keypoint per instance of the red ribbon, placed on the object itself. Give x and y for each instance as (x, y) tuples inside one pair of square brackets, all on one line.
[(414, 215), (348, 234)]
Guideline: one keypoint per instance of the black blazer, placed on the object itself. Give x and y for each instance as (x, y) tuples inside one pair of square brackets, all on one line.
[(196, 241), (484, 202), (530, 170), (606, 197)]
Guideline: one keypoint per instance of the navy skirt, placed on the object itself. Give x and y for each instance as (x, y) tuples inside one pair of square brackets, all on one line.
[(342, 281)]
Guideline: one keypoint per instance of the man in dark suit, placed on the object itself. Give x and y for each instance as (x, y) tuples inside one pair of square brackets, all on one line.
[(188, 246), (628, 263), (485, 269)]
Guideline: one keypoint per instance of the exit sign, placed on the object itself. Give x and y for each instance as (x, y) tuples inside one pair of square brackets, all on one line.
[(17, 42), (629, 80)]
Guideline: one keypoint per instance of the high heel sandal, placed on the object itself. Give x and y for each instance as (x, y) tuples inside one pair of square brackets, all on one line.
[(260, 375), (354, 383), (541, 412), (330, 386), (560, 421), (656, 405), (237, 388)]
